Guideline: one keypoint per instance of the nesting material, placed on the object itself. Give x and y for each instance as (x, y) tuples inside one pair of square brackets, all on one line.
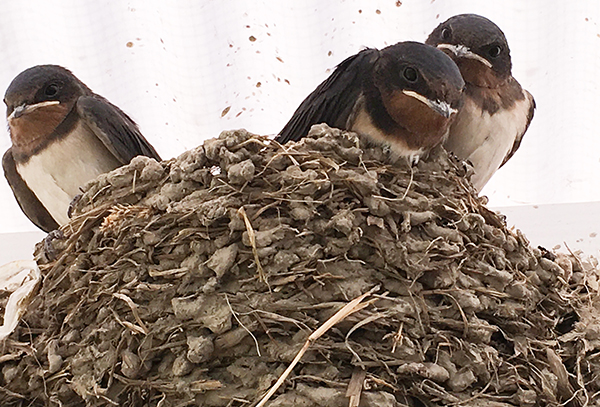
[(19, 280), (197, 280)]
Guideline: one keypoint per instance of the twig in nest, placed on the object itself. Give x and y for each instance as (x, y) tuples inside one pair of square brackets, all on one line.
[(242, 325), (264, 208), (398, 337), (455, 301), (279, 318), (348, 309), (252, 237), (11, 393), (380, 382), (565, 390), (577, 259), (286, 151), (202, 386), (134, 310), (362, 323), (74, 310), (355, 386), (581, 382), (111, 372), (133, 327), (409, 182), (175, 273), (101, 190)]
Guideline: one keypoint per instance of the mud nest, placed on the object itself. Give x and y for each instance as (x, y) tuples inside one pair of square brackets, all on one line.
[(196, 281)]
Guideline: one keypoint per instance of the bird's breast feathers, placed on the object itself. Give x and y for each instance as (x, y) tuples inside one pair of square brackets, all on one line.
[(56, 173), (486, 138), (363, 124)]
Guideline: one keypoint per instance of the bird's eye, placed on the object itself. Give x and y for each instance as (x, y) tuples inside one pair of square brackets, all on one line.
[(51, 90), (410, 74), (495, 51), (446, 33)]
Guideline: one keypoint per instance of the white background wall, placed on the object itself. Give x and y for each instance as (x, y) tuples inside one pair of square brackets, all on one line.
[(175, 66)]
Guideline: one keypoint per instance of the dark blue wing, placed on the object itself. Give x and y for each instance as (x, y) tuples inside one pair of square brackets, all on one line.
[(114, 128), (333, 101), (519, 138), (28, 202)]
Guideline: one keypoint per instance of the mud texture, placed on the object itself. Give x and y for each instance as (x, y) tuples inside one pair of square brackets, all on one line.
[(195, 281)]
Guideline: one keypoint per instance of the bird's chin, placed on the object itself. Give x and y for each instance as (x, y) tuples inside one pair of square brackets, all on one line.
[(442, 108)]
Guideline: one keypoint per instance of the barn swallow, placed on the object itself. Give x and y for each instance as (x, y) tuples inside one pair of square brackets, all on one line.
[(63, 135), (496, 111), (403, 96)]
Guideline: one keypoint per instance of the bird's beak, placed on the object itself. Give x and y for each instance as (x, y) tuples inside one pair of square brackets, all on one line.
[(460, 51), (442, 108), (25, 108)]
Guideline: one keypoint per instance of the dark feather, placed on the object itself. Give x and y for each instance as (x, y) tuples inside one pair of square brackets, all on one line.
[(329, 101), (114, 128), (28, 202), (519, 138)]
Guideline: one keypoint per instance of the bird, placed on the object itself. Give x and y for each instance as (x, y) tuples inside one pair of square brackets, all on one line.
[(62, 136), (403, 96), (496, 110)]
